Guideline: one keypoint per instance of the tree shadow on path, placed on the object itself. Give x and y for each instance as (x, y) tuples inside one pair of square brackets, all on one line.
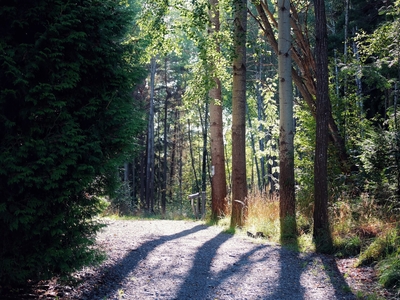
[(231, 271), (203, 283), (116, 273), (199, 278), (280, 275), (336, 276)]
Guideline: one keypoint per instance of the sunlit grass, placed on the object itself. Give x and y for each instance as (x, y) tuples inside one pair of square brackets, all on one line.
[(263, 215)]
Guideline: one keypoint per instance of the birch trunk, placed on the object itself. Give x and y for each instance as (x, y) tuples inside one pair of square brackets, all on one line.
[(304, 74), (286, 147)]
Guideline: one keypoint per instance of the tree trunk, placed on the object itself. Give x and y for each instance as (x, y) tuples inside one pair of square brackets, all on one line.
[(173, 154), (228, 170), (134, 185), (321, 231), (126, 185), (165, 144), (260, 116), (204, 157), (239, 184), (143, 177), (150, 142), (254, 155), (218, 181), (165, 151), (286, 146), (180, 168), (304, 75), (192, 158)]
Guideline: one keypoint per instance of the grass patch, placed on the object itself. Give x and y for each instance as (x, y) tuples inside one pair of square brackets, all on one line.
[(263, 215), (346, 246), (383, 246), (389, 272)]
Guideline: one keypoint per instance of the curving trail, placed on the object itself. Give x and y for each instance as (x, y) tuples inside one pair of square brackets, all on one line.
[(188, 260)]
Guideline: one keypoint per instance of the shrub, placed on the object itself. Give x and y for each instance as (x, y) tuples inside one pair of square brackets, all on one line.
[(66, 116)]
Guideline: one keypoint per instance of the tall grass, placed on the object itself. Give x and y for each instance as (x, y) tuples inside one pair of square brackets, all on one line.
[(263, 214)]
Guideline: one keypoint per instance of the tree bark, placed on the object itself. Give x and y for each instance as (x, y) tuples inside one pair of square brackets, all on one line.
[(150, 142), (304, 75), (260, 117), (173, 153), (204, 157), (321, 231), (192, 158), (165, 145), (239, 183), (218, 180), (286, 124), (254, 152)]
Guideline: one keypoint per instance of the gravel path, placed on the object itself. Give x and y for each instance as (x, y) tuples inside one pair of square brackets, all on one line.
[(188, 260)]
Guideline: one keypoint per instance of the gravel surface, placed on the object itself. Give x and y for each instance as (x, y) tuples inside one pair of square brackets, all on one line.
[(188, 260)]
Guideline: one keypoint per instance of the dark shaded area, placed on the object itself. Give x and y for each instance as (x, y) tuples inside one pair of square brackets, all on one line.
[(332, 270)]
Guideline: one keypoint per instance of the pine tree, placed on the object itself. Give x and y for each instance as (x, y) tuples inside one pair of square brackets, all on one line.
[(239, 184), (321, 231), (66, 116)]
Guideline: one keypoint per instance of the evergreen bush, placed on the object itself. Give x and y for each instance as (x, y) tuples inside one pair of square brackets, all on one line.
[(66, 117)]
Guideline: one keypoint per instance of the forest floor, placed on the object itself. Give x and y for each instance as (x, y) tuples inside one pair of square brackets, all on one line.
[(161, 259)]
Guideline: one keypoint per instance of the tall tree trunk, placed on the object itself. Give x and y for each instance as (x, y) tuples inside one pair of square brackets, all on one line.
[(228, 170), (150, 142), (254, 155), (165, 153), (192, 158), (134, 185), (260, 116), (165, 144), (286, 146), (218, 181), (143, 178), (397, 135), (173, 154), (321, 231), (304, 75), (126, 186), (180, 166), (239, 184), (204, 157)]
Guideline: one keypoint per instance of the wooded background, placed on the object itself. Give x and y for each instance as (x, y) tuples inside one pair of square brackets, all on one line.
[(144, 102)]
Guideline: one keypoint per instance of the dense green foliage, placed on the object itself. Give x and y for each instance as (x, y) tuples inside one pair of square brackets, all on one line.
[(66, 118)]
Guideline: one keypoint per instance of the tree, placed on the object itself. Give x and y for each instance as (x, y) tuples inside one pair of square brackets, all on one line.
[(239, 182), (218, 181), (67, 116), (304, 73), (321, 231), (150, 141), (286, 146)]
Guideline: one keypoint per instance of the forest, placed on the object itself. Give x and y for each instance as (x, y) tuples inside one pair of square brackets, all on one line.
[(273, 117)]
